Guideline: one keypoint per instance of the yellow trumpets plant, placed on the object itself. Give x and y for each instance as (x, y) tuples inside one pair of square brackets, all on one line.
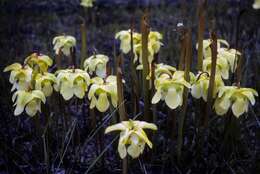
[(200, 86), (20, 76), (96, 63), (87, 3), (99, 92), (236, 98), (256, 5), (132, 137), (170, 89), (30, 100), (44, 82), (154, 45), (222, 66), (207, 49), (231, 55), (64, 44), (40, 60), (70, 82), (125, 40)]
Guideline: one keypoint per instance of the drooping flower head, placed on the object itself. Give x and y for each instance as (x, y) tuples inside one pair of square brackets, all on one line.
[(125, 40), (231, 55), (30, 100), (96, 63), (101, 90), (256, 5), (222, 66), (70, 82), (200, 86), (154, 45), (45, 82), (132, 137), (170, 89), (64, 44), (236, 98), (87, 3), (40, 61), (206, 46), (20, 76)]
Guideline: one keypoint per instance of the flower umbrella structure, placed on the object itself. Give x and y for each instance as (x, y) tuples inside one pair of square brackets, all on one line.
[(132, 137)]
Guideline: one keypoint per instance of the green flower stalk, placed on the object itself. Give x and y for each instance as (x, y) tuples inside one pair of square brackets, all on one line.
[(236, 98), (87, 3), (39, 61), (20, 76), (72, 82), (96, 64), (132, 137), (199, 88), (99, 92), (64, 44), (125, 40), (44, 82), (170, 89), (256, 5), (30, 100)]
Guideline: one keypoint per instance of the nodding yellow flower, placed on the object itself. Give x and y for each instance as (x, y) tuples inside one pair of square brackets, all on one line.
[(237, 98), (162, 68), (132, 137), (200, 87), (125, 40), (64, 44), (44, 82), (256, 5), (87, 3), (222, 66), (154, 45), (170, 89), (72, 82), (20, 76), (96, 63), (30, 100), (231, 55), (207, 49), (40, 60), (99, 92)]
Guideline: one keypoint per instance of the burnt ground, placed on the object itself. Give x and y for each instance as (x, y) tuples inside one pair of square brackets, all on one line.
[(30, 25)]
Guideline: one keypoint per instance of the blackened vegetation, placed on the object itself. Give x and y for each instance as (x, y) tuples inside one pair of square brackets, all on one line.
[(29, 25)]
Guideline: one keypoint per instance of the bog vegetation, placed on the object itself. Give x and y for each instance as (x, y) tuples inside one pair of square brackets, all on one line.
[(153, 84)]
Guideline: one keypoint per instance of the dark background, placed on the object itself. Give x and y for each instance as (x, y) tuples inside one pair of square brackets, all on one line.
[(27, 26)]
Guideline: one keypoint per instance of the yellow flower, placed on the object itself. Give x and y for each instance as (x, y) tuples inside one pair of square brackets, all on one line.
[(231, 55), (72, 82), (125, 40), (207, 49), (163, 69), (87, 3), (237, 98), (222, 66), (99, 92), (154, 46), (96, 63), (44, 82), (20, 76), (170, 88), (30, 100), (132, 137), (42, 61), (64, 44), (256, 5), (200, 87)]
